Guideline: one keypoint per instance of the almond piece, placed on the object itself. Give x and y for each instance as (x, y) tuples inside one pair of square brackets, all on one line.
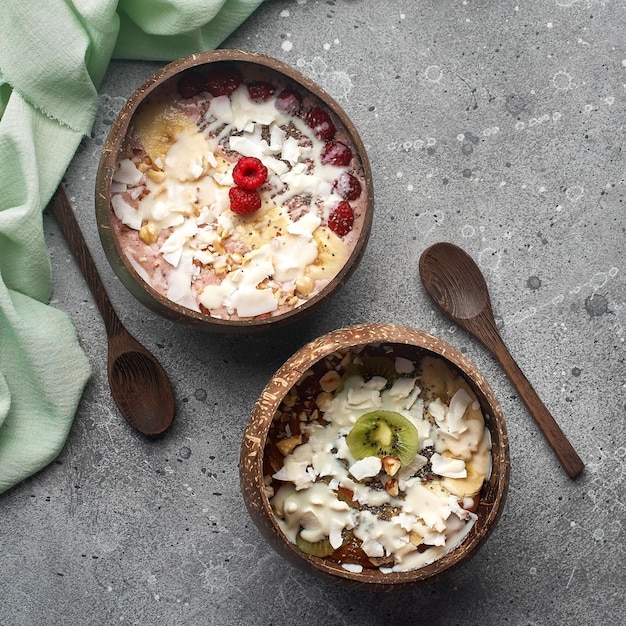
[(323, 399), (285, 446), (156, 176), (391, 486), (304, 285), (149, 234), (330, 381), (391, 465)]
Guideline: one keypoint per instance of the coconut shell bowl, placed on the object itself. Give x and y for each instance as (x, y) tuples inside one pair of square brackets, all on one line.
[(233, 194), (376, 457)]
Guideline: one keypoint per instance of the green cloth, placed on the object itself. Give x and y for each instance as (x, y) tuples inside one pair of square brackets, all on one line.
[(53, 57)]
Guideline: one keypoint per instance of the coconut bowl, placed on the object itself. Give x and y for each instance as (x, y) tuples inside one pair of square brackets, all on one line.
[(398, 341), (296, 304)]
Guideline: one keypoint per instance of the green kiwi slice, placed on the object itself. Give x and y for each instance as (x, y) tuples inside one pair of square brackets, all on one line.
[(367, 366), (383, 433), (319, 548)]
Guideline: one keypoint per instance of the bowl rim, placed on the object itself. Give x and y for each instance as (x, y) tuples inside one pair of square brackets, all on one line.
[(125, 271), (493, 496)]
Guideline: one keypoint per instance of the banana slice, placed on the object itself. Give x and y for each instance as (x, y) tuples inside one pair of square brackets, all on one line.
[(331, 254), (469, 486), (436, 379), (439, 380), (265, 226), (158, 124)]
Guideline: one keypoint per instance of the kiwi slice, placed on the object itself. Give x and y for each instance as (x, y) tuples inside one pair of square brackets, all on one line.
[(319, 548), (383, 433), (368, 366)]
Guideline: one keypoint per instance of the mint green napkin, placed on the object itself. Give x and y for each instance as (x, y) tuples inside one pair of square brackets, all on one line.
[(53, 56)]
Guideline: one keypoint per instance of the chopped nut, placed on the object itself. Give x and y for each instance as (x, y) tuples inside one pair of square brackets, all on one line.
[(285, 446), (143, 167), (156, 176), (323, 399), (391, 487), (148, 233), (415, 538), (391, 464), (346, 359), (304, 285), (330, 381), (267, 486), (290, 399)]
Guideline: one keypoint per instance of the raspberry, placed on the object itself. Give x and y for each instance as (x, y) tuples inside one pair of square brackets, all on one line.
[(347, 186), (223, 80), (249, 173), (319, 120), (244, 201), (336, 153), (190, 84), (260, 90), (341, 219), (289, 101)]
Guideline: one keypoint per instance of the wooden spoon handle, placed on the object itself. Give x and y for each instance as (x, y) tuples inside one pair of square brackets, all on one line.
[(563, 449), (64, 214)]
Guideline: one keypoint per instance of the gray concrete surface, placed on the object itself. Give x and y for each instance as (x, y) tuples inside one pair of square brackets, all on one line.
[(495, 125)]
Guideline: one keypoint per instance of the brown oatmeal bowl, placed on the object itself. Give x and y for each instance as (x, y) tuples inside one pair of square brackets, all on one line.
[(233, 194), (289, 425)]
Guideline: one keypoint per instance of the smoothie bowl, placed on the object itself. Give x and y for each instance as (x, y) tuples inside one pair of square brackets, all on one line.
[(233, 194), (377, 457)]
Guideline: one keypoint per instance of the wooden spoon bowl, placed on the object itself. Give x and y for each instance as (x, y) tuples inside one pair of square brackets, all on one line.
[(127, 272), (411, 344)]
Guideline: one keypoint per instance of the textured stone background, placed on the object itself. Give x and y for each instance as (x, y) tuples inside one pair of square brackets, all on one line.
[(498, 126)]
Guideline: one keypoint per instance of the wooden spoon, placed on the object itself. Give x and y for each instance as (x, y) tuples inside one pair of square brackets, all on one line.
[(458, 288), (139, 384)]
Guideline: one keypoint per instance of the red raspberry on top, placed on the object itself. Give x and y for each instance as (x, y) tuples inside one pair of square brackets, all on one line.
[(336, 153), (190, 84), (260, 90), (249, 173), (289, 101), (244, 201), (341, 219), (347, 186), (223, 80), (319, 120)]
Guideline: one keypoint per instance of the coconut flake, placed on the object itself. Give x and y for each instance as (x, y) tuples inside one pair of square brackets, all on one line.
[(373, 548), (355, 568), (404, 366), (335, 536), (458, 405), (402, 388), (366, 468), (126, 172), (125, 212)]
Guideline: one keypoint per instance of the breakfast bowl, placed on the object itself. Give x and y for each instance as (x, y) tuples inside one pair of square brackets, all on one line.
[(233, 194), (377, 458)]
